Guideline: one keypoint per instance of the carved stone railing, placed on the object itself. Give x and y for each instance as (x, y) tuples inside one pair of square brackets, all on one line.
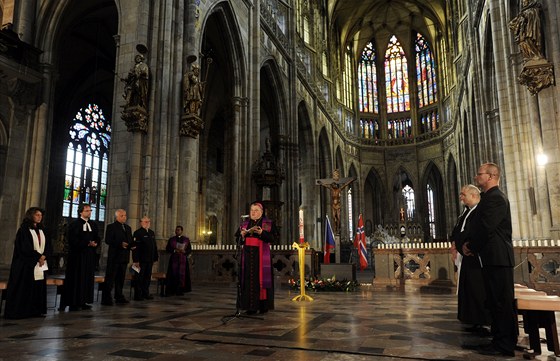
[(218, 263), (537, 264)]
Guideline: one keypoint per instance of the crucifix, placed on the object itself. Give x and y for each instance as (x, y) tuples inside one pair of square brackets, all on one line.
[(335, 184)]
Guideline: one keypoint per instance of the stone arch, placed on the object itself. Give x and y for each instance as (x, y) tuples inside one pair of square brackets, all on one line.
[(375, 204), (401, 178), (307, 170), (78, 42), (226, 131), (325, 163), (453, 189), (432, 176)]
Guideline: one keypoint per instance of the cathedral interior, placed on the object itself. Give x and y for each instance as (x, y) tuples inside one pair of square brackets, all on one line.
[(186, 111)]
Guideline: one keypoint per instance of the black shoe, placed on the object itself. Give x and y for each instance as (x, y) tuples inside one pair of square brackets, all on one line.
[(149, 297), (107, 303), (138, 299), (121, 301), (492, 350), (250, 312), (74, 308), (85, 306), (180, 294), (263, 311)]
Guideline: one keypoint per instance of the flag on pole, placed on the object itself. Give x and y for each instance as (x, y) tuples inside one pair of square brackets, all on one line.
[(360, 244), (329, 242)]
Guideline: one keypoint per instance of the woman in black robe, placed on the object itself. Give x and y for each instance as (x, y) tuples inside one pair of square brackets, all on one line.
[(257, 289), (27, 289)]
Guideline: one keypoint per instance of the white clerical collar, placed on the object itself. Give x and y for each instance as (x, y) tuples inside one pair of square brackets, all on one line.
[(86, 227)]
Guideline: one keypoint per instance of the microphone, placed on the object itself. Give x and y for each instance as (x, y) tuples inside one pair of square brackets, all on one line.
[(245, 216)]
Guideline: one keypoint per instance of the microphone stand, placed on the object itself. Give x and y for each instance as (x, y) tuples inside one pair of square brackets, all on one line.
[(238, 313)]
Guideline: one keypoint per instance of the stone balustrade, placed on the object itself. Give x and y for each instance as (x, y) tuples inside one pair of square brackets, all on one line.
[(411, 265)]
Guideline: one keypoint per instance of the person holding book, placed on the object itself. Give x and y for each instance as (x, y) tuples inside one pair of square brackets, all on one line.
[(144, 254), (256, 234)]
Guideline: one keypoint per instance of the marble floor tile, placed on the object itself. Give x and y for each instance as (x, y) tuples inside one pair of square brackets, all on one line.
[(370, 324)]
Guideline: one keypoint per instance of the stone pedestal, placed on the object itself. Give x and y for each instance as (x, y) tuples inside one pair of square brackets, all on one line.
[(191, 125), (342, 271), (136, 119)]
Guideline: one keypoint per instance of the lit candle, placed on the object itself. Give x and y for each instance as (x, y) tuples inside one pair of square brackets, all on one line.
[(301, 240)]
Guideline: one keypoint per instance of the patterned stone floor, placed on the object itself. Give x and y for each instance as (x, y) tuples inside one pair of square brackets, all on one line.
[(366, 325)]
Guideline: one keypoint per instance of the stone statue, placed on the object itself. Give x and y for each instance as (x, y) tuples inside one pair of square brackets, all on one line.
[(193, 90), (335, 184), (526, 27), (136, 84)]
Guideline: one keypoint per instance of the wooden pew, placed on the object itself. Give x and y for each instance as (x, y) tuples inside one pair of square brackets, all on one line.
[(538, 311), (160, 285), (3, 288), (57, 281)]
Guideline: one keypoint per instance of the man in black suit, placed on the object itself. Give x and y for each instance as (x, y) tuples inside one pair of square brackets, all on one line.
[(492, 241), (144, 255), (119, 238)]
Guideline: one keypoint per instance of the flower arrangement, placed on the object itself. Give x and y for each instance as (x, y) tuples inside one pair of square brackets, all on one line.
[(326, 284)]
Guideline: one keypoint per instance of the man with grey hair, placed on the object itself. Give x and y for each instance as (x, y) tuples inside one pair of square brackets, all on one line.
[(119, 238), (470, 286)]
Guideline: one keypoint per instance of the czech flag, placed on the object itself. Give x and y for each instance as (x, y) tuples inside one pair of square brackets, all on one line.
[(329, 242), (360, 244)]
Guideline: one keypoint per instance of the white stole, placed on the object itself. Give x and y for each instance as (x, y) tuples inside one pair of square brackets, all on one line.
[(39, 272)]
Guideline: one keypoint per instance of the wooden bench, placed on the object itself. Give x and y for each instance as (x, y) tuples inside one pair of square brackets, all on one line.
[(3, 288), (538, 311), (57, 281), (160, 285), (100, 281), (159, 277)]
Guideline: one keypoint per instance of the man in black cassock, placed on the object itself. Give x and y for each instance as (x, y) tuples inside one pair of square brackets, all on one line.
[(144, 255), (83, 240)]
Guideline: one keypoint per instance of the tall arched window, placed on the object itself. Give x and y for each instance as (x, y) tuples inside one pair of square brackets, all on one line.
[(408, 194), (367, 81), (399, 123), (425, 72), (348, 79), (87, 163), (396, 77), (431, 211)]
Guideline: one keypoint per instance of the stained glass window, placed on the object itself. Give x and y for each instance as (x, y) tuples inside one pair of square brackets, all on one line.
[(348, 79), (370, 128), (425, 72), (408, 194), (87, 163), (399, 128), (396, 77), (429, 121), (367, 81), (431, 211)]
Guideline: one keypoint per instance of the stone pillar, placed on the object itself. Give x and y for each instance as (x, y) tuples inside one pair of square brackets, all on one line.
[(24, 18)]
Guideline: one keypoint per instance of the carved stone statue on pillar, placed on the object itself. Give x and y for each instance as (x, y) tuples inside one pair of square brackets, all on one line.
[(335, 184), (135, 110), (537, 72), (193, 97)]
